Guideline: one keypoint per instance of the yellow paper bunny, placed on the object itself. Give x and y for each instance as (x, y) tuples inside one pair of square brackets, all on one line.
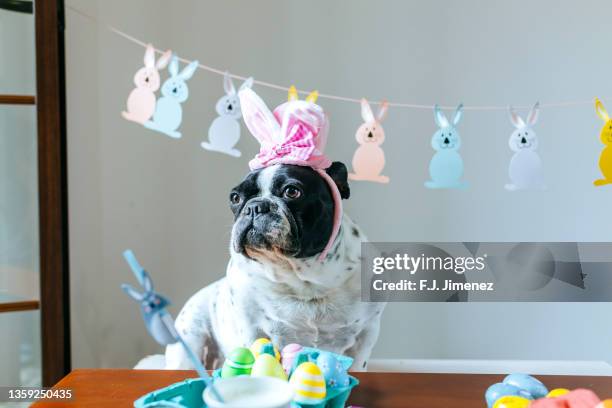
[(605, 160)]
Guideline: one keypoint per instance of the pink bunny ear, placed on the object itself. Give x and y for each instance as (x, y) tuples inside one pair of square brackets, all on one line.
[(149, 57), (163, 61), (258, 118), (382, 111)]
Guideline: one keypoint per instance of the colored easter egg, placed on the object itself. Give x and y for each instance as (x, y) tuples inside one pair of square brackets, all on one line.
[(308, 384), (288, 355), (528, 383), (496, 391), (334, 373), (557, 392), (238, 362), (512, 401), (263, 345), (267, 366), (605, 404)]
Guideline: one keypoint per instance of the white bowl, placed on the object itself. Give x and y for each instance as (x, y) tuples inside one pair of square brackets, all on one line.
[(250, 392)]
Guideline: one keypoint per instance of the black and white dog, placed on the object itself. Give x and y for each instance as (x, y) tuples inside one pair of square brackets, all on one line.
[(275, 286)]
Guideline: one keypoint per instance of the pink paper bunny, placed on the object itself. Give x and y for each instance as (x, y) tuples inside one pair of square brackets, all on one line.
[(369, 158), (141, 102)]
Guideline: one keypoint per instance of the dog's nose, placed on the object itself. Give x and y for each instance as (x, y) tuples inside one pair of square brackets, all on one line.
[(446, 141), (523, 140), (256, 208)]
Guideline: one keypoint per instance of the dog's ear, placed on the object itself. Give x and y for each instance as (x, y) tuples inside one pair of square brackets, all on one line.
[(337, 171)]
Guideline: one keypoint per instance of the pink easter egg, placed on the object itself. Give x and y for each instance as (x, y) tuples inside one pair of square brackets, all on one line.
[(289, 353)]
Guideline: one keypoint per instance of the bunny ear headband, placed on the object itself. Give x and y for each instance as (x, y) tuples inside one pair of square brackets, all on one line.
[(295, 133)]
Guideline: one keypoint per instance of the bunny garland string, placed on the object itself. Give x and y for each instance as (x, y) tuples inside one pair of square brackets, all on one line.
[(446, 166), (605, 159), (224, 131), (525, 169), (168, 110), (369, 158), (141, 101)]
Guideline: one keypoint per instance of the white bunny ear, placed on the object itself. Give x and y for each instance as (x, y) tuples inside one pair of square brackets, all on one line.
[(162, 62), (534, 113), (383, 109), (439, 117), (601, 110), (248, 83), (174, 66), (133, 293), (228, 84), (189, 70), (258, 118), (458, 115), (366, 112), (516, 120), (147, 283), (149, 57)]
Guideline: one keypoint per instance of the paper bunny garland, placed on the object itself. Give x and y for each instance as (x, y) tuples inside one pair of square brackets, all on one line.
[(525, 169), (446, 166), (369, 158), (605, 159), (168, 110), (141, 101), (224, 131)]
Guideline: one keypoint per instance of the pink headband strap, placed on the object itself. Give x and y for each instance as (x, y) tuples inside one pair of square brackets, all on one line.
[(337, 212)]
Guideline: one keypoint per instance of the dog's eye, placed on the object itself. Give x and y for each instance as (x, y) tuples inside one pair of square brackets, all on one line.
[(292, 192), (235, 198)]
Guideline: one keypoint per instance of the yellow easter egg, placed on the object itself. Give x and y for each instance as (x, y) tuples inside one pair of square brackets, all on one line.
[(512, 401), (308, 384), (267, 366), (605, 404), (557, 392), (261, 344)]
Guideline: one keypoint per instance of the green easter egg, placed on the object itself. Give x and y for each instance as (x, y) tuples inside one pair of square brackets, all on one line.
[(266, 365), (239, 362)]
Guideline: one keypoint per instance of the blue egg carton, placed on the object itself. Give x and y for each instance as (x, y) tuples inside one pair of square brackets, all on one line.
[(188, 393), (184, 394)]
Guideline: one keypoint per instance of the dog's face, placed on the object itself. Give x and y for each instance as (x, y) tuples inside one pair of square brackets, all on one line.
[(284, 210)]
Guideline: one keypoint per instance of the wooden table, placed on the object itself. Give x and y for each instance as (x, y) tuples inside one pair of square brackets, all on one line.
[(119, 388)]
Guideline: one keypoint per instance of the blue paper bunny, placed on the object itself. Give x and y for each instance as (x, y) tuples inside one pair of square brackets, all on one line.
[(158, 321), (153, 310), (446, 166), (168, 110)]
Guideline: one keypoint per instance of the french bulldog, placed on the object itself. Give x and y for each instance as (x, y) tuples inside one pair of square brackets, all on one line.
[(275, 286)]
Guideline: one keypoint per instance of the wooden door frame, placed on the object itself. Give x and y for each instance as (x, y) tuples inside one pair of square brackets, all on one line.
[(52, 190)]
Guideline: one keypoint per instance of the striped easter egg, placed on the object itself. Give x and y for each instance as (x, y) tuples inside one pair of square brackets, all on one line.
[(308, 384), (238, 362)]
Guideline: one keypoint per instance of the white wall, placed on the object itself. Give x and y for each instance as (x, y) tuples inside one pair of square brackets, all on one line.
[(166, 199)]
